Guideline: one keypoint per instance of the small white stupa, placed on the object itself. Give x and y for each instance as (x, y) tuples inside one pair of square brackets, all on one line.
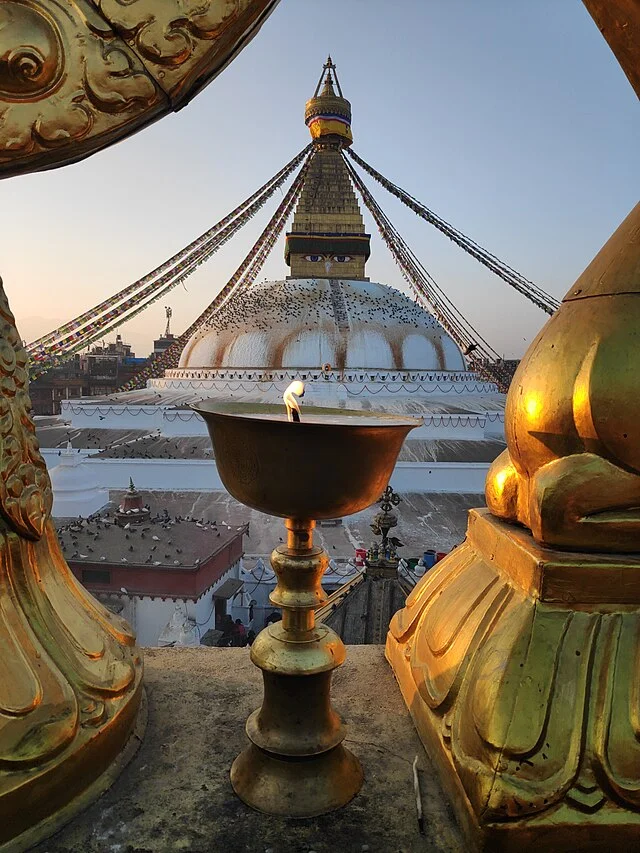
[(76, 491)]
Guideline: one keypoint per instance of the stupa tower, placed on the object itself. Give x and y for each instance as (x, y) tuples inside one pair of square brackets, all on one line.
[(326, 319), (327, 238)]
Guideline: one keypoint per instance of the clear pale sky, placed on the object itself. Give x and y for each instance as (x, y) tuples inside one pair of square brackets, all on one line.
[(510, 118)]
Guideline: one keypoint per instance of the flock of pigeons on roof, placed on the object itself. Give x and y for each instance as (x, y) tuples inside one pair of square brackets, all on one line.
[(162, 540)]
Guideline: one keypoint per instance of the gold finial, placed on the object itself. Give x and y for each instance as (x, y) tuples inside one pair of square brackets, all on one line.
[(327, 114), (525, 703), (327, 89)]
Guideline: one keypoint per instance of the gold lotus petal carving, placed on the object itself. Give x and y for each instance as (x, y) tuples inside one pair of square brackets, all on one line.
[(533, 703), (182, 42), (67, 81), (77, 75)]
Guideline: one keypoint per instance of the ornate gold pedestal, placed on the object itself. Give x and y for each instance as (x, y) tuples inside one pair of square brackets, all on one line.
[(296, 764), (70, 674), (521, 668)]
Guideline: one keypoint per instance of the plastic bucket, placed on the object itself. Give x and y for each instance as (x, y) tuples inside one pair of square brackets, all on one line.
[(429, 559)]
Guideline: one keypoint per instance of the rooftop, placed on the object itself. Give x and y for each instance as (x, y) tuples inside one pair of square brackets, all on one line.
[(362, 614), (163, 542), (437, 520), (176, 795)]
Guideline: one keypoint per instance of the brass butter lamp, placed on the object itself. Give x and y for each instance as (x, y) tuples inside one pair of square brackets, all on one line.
[(327, 465)]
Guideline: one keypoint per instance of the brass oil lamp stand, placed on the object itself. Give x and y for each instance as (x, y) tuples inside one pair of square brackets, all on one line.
[(296, 764)]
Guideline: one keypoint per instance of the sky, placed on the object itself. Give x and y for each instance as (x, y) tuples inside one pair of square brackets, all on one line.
[(511, 119)]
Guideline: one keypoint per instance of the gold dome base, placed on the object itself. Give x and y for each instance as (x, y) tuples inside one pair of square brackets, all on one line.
[(519, 666), (299, 787)]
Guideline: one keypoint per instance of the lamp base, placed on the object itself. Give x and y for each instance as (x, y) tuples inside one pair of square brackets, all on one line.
[(299, 787)]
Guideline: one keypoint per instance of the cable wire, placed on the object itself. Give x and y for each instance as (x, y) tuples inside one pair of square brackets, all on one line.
[(535, 294)]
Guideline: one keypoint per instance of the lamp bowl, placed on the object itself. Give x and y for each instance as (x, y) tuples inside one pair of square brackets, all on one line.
[(331, 464)]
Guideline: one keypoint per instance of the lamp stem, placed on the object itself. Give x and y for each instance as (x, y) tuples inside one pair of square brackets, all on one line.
[(299, 534)]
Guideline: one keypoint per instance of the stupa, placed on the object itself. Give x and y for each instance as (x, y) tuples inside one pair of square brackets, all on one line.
[(326, 319), (354, 342)]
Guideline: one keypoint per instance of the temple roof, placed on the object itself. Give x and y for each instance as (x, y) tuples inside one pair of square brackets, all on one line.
[(163, 541)]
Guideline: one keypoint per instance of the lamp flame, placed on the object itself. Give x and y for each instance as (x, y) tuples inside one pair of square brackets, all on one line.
[(296, 389)]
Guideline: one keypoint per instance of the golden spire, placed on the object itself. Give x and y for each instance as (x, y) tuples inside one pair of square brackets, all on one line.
[(327, 115), (327, 238)]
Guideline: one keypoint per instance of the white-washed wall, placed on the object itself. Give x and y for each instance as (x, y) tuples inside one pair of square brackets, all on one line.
[(201, 475), (148, 616), (179, 422)]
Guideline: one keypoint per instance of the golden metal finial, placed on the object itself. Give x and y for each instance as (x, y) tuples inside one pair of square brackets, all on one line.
[(327, 115), (518, 656), (571, 471)]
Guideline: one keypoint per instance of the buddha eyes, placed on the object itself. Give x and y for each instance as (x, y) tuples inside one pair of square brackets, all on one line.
[(339, 259)]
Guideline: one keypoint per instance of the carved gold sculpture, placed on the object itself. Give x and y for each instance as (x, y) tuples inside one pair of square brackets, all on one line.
[(518, 655), (324, 466), (77, 75), (70, 673), (571, 472)]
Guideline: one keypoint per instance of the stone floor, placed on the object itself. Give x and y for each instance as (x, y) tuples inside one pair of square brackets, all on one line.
[(175, 795)]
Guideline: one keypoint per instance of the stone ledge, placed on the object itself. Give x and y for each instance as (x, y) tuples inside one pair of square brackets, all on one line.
[(176, 795)]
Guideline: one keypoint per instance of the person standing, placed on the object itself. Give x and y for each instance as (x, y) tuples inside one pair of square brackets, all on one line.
[(239, 634)]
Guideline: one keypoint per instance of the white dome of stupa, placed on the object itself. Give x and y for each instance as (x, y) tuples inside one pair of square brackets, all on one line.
[(307, 323)]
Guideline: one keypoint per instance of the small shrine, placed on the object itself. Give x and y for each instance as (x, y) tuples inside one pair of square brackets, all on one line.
[(132, 509), (382, 558)]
